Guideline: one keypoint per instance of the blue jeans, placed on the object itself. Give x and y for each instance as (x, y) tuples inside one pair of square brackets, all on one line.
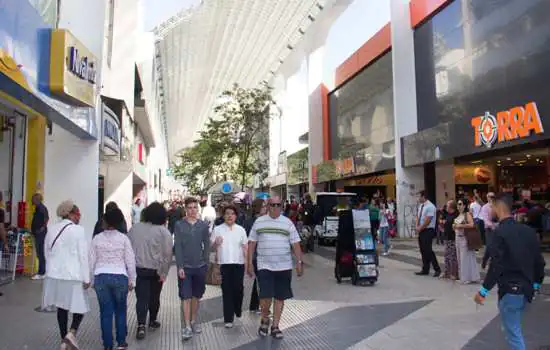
[(511, 308), (384, 233), (112, 293)]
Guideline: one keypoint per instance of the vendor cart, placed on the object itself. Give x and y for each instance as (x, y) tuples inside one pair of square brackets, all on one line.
[(356, 255)]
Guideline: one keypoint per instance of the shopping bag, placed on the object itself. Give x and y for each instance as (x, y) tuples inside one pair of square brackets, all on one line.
[(213, 275)]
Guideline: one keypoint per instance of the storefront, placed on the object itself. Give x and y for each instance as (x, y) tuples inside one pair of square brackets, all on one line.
[(48, 95), (298, 174), (362, 136), (483, 99)]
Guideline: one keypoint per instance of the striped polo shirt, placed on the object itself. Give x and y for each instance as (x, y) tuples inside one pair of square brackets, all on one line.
[(274, 238)]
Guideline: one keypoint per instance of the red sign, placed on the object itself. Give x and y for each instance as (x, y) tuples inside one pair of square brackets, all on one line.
[(516, 123)]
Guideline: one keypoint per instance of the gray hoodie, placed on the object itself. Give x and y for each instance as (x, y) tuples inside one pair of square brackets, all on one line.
[(192, 243)]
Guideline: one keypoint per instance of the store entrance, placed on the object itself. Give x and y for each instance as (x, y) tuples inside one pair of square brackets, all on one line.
[(12, 160), (523, 172), (367, 191)]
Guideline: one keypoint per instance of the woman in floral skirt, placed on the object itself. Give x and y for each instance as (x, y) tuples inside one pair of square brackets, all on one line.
[(451, 261)]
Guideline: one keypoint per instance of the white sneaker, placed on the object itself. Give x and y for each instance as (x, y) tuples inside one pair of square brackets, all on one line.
[(229, 325), (38, 277)]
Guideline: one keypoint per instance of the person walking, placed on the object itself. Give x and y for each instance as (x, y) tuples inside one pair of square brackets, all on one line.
[(468, 268), (99, 226), (425, 228), (451, 258), (374, 213), (39, 230), (258, 209), (192, 246), (67, 272), (384, 228), (152, 244), (113, 264), (490, 224), (275, 236), (229, 239), (516, 267), (136, 211)]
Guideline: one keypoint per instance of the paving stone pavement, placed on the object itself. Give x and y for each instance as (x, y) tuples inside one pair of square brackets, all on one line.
[(401, 311)]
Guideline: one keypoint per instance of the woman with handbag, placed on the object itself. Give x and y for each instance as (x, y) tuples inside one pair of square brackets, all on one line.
[(67, 272), (465, 229)]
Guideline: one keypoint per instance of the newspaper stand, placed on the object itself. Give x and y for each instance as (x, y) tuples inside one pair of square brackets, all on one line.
[(356, 255)]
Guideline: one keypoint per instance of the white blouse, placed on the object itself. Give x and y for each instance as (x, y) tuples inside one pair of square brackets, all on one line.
[(68, 259)]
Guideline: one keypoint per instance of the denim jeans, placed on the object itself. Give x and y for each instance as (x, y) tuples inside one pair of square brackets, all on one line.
[(384, 233), (112, 293), (511, 308)]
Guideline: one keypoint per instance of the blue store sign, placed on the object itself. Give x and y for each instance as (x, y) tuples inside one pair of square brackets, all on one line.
[(227, 187)]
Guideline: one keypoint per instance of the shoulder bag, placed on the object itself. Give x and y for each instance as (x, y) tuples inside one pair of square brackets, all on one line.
[(473, 238), (59, 234)]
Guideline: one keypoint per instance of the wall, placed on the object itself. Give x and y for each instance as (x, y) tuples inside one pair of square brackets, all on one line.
[(118, 79), (71, 172), (444, 182), (409, 180)]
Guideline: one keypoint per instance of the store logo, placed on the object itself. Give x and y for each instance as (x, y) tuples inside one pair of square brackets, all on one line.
[(82, 67), (516, 123)]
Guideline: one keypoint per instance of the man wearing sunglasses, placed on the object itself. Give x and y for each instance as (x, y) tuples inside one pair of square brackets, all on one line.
[(274, 235)]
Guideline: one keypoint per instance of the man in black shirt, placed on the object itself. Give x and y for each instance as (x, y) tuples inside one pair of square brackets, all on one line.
[(517, 267), (39, 228)]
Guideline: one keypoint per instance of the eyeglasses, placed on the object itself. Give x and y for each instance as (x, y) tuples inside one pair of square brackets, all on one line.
[(275, 205), (459, 204)]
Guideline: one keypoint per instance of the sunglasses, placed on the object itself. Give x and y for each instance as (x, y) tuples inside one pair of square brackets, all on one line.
[(275, 205), (459, 204)]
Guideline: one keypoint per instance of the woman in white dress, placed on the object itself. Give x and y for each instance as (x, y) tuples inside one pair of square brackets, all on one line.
[(67, 272), (468, 268)]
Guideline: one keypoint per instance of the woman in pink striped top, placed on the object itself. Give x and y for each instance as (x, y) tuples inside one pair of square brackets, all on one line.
[(113, 265)]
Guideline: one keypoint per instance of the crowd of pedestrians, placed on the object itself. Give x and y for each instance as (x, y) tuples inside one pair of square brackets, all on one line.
[(118, 261)]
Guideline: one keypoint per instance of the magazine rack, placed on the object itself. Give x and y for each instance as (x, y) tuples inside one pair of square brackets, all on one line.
[(356, 255)]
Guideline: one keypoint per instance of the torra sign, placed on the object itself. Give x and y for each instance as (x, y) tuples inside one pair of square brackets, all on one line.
[(516, 123)]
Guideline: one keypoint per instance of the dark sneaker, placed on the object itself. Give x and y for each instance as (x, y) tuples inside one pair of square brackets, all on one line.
[(263, 331), (276, 333), (140, 334), (154, 325), (122, 346), (422, 273), (437, 273)]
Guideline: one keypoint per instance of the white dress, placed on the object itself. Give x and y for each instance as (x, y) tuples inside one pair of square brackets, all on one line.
[(66, 268), (468, 269)]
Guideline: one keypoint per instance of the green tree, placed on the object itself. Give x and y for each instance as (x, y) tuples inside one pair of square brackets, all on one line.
[(244, 114), (233, 145)]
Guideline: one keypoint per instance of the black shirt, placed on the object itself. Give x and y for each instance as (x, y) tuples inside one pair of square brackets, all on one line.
[(40, 219), (516, 258), (448, 226)]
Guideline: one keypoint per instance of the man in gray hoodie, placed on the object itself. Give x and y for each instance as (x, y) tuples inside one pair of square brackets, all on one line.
[(192, 247)]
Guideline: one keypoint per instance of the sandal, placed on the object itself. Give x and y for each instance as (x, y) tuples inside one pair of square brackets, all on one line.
[(276, 333), (264, 327)]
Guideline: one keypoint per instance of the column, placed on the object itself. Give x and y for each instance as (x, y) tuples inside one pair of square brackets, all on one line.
[(409, 180), (445, 181), (315, 112)]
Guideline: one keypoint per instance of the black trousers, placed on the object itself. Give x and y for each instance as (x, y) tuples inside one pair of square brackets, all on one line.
[(63, 321), (425, 241), (39, 239), (148, 288), (232, 290), (255, 296)]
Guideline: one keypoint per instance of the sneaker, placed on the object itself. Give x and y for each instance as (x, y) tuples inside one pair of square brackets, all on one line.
[(140, 334), (385, 254), (228, 325), (186, 333), (154, 324), (196, 327), (38, 277), (122, 346), (70, 339), (64, 346)]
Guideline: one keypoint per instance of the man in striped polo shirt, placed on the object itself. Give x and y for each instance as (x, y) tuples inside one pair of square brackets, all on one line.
[(274, 235)]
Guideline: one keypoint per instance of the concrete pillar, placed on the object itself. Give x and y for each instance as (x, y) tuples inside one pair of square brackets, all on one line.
[(409, 180), (444, 182)]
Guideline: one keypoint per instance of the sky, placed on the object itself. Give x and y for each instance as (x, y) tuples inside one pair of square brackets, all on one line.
[(157, 11)]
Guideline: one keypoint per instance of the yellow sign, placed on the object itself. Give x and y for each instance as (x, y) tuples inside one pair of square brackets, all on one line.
[(12, 70), (73, 69)]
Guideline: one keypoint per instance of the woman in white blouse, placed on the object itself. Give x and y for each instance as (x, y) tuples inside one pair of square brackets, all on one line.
[(232, 245), (113, 264), (67, 271)]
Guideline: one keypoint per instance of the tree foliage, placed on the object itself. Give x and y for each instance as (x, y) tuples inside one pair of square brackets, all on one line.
[(233, 145)]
